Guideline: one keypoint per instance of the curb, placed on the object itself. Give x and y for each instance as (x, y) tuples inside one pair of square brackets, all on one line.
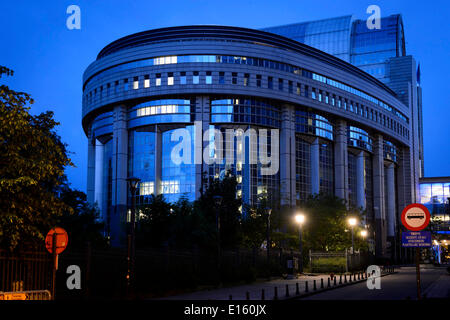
[(307, 294)]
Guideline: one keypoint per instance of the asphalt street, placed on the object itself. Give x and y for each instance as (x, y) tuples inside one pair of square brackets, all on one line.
[(399, 286)]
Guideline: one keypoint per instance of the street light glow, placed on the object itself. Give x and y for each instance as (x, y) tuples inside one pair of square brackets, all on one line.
[(363, 233), (300, 218), (352, 221)]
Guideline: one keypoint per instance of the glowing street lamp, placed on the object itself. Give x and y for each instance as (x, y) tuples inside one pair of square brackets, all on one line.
[(352, 222), (363, 233), (300, 219)]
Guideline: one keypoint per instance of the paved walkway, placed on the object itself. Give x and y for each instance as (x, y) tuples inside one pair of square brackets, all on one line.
[(439, 288), (255, 289)]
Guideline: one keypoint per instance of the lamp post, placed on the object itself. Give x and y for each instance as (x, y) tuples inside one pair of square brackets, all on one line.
[(268, 212), (352, 222), (217, 203), (300, 219), (133, 184)]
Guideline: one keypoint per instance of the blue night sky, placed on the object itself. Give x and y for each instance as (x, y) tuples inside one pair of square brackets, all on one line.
[(49, 60)]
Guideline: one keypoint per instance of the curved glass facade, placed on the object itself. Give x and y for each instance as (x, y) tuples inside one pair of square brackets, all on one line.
[(326, 167), (302, 169), (389, 151), (314, 124), (359, 138), (245, 110)]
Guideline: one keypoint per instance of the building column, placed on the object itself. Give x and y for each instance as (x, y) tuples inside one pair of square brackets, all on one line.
[(158, 160), (287, 157), (390, 210), (360, 181), (90, 190), (378, 194), (119, 176), (315, 173), (99, 177), (202, 113), (341, 160)]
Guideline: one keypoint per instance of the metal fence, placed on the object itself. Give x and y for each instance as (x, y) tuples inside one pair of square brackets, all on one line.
[(25, 271)]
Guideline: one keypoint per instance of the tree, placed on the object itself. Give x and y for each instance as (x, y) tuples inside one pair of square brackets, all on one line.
[(32, 162), (82, 221), (326, 227)]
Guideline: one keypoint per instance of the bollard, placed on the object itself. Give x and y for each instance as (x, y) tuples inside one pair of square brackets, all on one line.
[(350, 278), (340, 279), (306, 286), (287, 290), (329, 283), (263, 296), (359, 276), (275, 297), (345, 278), (334, 280), (321, 283), (230, 297), (315, 287), (297, 289), (247, 295)]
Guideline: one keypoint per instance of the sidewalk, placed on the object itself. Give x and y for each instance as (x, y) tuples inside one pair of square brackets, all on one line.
[(255, 289)]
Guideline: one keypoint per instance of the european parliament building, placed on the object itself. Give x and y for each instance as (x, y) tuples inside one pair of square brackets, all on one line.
[(344, 99)]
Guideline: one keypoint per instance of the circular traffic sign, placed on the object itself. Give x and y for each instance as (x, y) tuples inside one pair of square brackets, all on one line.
[(61, 240), (415, 217)]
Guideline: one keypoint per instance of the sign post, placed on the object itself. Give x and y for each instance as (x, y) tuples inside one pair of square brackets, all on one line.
[(56, 242), (415, 218)]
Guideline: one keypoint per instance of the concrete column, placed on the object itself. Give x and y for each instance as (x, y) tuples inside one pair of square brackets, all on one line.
[(202, 113), (158, 159), (360, 181), (119, 176), (90, 190), (340, 160), (390, 194), (315, 174), (99, 177), (378, 194), (287, 156)]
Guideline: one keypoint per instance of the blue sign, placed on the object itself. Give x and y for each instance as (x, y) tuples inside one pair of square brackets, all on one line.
[(416, 239)]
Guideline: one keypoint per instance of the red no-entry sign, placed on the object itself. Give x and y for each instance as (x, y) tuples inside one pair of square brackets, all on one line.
[(61, 240), (415, 217)]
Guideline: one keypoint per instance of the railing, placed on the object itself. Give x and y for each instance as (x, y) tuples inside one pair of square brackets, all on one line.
[(25, 271), (26, 295)]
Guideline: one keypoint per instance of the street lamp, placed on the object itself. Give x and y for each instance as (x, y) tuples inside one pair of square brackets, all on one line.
[(363, 233), (352, 222), (217, 203), (300, 219), (133, 184)]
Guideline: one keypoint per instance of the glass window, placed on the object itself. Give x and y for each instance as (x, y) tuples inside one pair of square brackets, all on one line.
[(146, 81), (170, 79), (234, 76), (221, 77), (136, 83), (208, 79), (182, 77), (270, 82), (125, 84), (158, 79), (195, 78), (280, 84), (258, 80), (246, 79)]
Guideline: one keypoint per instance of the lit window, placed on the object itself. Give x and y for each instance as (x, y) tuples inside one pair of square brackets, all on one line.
[(182, 77), (136, 83), (146, 81), (146, 188), (195, 78), (246, 79), (170, 79), (158, 79), (208, 79)]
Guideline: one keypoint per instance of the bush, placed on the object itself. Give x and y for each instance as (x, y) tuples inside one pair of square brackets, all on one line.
[(328, 264)]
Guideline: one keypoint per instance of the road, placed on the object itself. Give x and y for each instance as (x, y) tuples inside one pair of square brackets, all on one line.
[(399, 286)]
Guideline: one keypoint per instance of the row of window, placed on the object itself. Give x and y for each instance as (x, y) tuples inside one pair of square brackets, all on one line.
[(251, 61), (304, 90)]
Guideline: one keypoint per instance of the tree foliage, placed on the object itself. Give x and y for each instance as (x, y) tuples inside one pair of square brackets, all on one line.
[(32, 162)]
